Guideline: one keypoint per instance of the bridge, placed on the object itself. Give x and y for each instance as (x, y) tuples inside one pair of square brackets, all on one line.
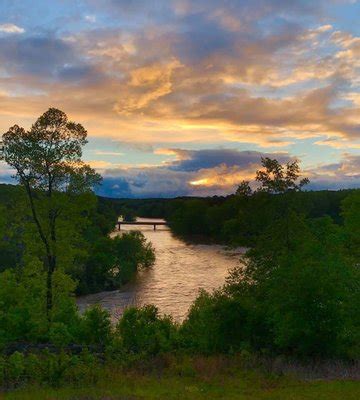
[(144, 223)]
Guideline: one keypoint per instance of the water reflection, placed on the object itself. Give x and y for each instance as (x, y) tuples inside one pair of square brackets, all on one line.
[(173, 283)]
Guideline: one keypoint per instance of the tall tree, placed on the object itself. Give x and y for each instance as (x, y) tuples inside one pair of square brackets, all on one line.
[(47, 161), (277, 178)]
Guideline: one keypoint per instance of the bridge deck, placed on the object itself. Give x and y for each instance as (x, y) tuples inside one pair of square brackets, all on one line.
[(146, 223)]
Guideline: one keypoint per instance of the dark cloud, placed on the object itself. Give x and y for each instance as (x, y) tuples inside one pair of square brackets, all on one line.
[(224, 167), (114, 187), (45, 57), (35, 55), (201, 39), (145, 182), (194, 160), (80, 72)]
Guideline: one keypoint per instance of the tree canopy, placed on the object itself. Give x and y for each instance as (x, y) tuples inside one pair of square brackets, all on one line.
[(47, 161)]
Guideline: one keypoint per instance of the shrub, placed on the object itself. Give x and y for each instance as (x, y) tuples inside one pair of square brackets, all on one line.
[(59, 334), (16, 367), (142, 330), (218, 323), (96, 326)]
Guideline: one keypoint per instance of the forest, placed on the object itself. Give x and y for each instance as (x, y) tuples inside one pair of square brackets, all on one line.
[(294, 296)]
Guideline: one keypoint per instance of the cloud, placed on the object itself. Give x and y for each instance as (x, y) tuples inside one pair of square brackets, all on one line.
[(195, 160), (193, 172), (108, 153), (147, 84), (194, 77), (341, 175), (11, 29), (90, 18), (213, 172), (269, 74)]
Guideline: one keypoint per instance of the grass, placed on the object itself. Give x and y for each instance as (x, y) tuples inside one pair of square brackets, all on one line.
[(199, 379)]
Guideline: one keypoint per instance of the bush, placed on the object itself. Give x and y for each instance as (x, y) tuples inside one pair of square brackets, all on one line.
[(16, 367), (220, 323), (96, 326), (59, 334), (142, 330)]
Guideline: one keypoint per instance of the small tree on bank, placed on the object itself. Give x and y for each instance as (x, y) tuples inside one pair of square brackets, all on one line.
[(47, 161)]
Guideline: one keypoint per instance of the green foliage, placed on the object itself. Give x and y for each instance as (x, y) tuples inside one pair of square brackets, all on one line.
[(216, 323), (23, 316), (96, 326), (297, 294), (59, 334), (114, 261), (190, 218), (351, 215), (16, 367), (143, 331), (132, 251), (240, 220), (186, 382), (47, 161), (48, 368), (22, 305)]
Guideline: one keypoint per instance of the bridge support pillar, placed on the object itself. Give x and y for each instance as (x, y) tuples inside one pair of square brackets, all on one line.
[(154, 227)]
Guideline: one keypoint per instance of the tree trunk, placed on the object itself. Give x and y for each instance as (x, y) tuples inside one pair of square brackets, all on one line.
[(49, 284), (50, 257)]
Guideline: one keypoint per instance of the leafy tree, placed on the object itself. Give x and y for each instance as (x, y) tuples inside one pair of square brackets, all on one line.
[(131, 252), (47, 160), (298, 276), (114, 261), (276, 178), (244, 189)]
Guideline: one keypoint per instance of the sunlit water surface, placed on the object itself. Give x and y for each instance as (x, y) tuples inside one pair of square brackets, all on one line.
[(174, 281)]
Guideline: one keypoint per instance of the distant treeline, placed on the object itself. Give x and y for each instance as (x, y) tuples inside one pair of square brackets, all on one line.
[(232, 219)]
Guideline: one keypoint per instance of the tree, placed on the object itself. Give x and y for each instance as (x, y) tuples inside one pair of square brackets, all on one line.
[(302, 285), (244, 189), (47, 161), (276, 178)]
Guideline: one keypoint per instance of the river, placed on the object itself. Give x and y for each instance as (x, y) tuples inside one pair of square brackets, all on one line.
[(174, 281)]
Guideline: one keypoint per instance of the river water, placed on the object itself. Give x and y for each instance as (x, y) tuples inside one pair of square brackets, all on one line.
[(174, 281)]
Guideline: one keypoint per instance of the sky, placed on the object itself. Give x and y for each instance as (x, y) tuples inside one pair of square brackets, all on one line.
[(184, 97)]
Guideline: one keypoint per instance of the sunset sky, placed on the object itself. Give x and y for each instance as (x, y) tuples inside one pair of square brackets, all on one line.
[(183, 97)]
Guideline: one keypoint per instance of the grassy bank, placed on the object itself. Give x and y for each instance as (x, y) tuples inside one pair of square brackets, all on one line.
[(199, 378)]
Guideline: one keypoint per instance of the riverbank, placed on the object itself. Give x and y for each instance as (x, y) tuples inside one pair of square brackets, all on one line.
[(195, 378)]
